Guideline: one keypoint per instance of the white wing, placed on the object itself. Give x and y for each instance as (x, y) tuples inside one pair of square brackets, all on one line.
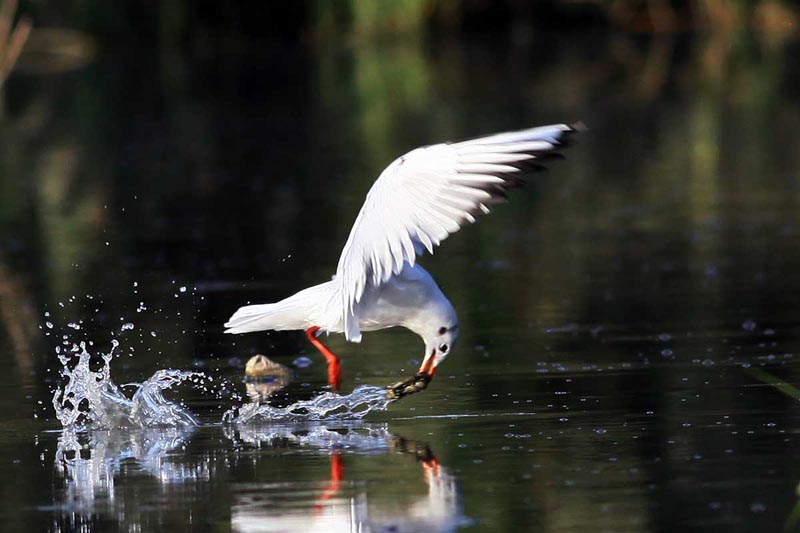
[(426, 195)]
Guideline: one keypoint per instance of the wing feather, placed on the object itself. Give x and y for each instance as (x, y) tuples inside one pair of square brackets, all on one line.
[(428, 194)]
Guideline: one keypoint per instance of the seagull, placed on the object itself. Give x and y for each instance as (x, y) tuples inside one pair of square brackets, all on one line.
[(417, 202)]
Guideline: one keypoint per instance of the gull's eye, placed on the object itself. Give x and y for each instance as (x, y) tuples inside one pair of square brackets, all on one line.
[(444, 348), (442, 330)]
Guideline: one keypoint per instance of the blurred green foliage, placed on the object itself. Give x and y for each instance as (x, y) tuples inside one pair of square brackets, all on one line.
[(198, 24)]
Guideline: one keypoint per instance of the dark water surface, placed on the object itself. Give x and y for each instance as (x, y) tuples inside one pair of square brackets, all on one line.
[(623, 320)]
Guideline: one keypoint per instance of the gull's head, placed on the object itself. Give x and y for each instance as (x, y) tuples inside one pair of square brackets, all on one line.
[(438, 345)]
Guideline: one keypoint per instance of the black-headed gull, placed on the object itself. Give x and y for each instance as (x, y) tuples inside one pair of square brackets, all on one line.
[(416, 203)]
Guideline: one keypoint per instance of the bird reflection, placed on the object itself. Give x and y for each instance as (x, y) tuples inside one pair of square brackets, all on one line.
[(98, 468), (334, 504)]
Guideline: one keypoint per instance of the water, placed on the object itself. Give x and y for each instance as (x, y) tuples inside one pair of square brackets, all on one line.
[(91, 400), (327, 406), (628, 358)]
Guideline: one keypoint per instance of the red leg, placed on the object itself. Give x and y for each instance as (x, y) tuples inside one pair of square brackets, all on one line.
[(431, 468), (334, 367), (337, 474)]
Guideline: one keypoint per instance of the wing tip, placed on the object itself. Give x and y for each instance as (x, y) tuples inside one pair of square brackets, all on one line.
[(565, 139), (578, 127)]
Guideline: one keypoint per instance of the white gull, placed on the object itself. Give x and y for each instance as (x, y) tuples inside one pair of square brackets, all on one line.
[(416, 203)]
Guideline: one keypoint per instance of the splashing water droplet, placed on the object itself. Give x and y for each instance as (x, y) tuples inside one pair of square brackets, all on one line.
[(302, 362), (91, 400), (327, 406), (151, 409)]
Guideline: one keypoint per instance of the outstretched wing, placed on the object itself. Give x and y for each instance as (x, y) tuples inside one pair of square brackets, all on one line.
[(429, 193)]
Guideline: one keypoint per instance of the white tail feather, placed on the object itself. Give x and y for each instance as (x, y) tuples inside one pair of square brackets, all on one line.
[(303, 310), (253, 318)]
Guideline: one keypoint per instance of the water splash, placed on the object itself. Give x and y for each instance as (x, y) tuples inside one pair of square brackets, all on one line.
[(327, 406), (315, 436), (90, 399), (90, 463), (151, 409)]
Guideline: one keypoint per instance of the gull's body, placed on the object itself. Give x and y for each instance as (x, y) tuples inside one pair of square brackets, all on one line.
[(417, 202)]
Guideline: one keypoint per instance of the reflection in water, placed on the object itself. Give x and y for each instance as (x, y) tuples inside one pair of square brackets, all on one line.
[(335, 504), (263, 378), (90, 464), (94, 466), (310, 436), (132, 442)]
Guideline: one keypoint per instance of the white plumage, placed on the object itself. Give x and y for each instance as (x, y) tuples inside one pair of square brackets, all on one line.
[(416, 203)]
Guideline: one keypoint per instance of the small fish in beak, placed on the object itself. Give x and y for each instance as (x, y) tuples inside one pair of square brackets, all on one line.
[(418, 382)]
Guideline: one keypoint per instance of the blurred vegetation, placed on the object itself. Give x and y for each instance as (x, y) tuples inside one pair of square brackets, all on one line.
[(204, 26)]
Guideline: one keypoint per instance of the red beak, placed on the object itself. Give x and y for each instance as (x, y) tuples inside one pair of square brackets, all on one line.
[(427, 365)]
